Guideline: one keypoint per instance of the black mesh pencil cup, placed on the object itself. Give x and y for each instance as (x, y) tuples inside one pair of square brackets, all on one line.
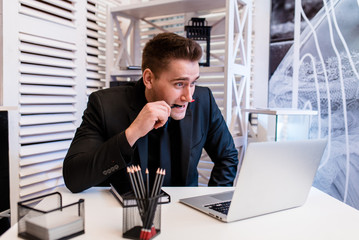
[(142, 217)]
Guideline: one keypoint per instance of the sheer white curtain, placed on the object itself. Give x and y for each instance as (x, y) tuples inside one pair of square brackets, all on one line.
[(323, 75)]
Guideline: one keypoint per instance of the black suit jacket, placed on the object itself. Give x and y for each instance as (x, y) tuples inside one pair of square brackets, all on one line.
[(100, 153)]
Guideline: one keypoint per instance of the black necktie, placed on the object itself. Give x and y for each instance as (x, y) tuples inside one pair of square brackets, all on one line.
[(165, 154)]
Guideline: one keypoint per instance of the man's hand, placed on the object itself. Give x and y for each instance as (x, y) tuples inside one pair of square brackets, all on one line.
[(153, 115)]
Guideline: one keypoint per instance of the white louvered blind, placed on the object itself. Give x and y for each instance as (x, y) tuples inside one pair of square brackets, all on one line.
[(48, 85), (59, 11), (95, 51), (54, 71), (47, 99), (96, 43)]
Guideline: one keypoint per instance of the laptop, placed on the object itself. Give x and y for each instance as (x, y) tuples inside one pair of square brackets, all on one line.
[(274, 176)]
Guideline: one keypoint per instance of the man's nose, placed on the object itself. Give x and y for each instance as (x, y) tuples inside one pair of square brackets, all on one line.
[(187, 94)]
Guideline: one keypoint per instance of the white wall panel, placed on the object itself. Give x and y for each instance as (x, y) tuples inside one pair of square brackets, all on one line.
[(40, 176), (33, 149), (48, 136), (62, 14), (41, 119), (47, 80), (45, 157), (40, 99), (40, 188), (46, 70), (32, 175), (46, 128)]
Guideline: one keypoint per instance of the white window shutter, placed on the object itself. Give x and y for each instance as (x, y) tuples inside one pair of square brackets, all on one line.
[(46, 93), (55, 72), (96, 43)]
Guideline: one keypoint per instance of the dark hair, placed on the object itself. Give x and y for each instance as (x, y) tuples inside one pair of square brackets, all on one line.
[(164, 47)]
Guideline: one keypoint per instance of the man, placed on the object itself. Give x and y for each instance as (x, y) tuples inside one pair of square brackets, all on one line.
[(162, 120)]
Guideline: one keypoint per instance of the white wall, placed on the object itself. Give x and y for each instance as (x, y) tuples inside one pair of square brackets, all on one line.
[(261, 39)]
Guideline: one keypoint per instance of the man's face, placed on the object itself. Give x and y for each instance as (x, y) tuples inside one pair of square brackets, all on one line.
[(175, 86)]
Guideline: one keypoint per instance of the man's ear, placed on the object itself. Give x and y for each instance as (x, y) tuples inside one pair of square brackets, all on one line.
[(148, 78)]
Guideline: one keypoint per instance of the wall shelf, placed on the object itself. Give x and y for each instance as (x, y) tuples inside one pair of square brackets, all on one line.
[(235, 65), (137, 73), (165, 7)]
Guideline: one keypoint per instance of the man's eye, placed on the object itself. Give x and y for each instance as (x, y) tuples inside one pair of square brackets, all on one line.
[(194, 83), (179, 84)]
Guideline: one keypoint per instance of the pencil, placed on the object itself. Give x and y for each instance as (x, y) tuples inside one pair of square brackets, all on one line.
[(147, 184), (155, 183), (132, 181), (162, 179), (140, 180), (158, 187)]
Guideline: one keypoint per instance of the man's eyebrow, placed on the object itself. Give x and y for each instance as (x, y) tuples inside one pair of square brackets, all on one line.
[(184, 79)]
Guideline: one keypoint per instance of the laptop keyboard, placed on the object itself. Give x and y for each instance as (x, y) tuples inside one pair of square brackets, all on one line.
[(221, 207)]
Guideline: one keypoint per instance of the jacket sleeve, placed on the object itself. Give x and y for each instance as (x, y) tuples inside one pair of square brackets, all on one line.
[(92, 156), (220, 148)]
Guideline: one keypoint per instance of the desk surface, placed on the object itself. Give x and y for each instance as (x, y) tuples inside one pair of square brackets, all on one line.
[(281, 111), (322, 217)]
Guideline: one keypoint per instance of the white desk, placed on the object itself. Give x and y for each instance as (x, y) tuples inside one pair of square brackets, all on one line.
[(322, 217)]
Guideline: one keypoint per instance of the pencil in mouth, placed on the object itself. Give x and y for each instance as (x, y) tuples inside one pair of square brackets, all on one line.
[(176, 105)]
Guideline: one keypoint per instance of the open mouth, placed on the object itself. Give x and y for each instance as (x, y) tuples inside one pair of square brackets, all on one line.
[(180, 106), (177, 106)]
